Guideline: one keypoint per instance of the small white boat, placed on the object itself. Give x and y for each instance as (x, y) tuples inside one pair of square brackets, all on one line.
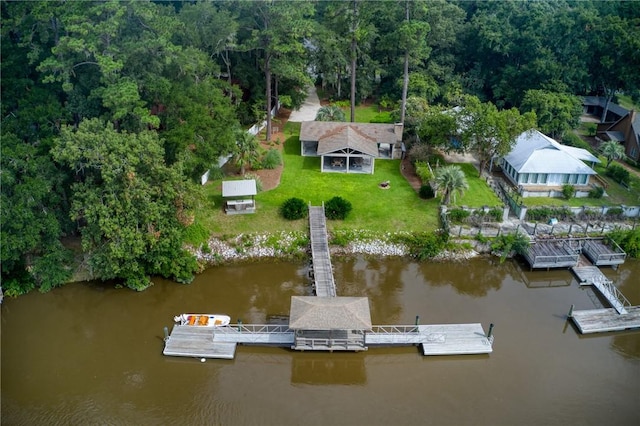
[(203, 320)]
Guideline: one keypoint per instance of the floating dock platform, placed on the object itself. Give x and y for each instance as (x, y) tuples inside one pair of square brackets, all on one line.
[(197, 342), (604, 320)]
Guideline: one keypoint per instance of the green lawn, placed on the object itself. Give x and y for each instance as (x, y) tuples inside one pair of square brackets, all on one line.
[(396, 209), (368, 114), (479, 193)]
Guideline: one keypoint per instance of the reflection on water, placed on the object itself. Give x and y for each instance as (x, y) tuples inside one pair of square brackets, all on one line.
[(92, 354)]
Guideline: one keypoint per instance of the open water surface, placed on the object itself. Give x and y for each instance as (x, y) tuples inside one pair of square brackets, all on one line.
[(90, 354)]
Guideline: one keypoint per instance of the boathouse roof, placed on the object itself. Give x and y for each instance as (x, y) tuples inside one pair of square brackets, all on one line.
[(329, 313)]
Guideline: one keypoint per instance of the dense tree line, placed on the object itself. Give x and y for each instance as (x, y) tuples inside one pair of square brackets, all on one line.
[(111, 110)]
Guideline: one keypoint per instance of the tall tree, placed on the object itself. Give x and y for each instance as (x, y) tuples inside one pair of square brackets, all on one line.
[(277, 30), (32, 202), (490, 132), (131, 207), (557, 113)]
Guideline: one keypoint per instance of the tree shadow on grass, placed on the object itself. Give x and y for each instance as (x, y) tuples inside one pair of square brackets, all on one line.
[(292, 146)]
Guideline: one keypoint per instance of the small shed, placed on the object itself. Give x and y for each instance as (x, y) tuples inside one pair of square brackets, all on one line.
[(239, 196), (330, 323)]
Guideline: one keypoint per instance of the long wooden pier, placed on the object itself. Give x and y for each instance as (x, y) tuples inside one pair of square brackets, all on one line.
[(324, 283), (221, 342)]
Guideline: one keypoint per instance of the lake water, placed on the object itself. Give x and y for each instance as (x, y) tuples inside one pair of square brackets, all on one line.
[(90, 354)]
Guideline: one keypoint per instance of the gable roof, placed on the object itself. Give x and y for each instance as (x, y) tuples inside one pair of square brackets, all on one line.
[(329, 313), (333, 135), (602, 101), (537, 153), (239, 188)]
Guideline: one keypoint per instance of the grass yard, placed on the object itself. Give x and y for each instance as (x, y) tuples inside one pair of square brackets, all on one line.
[(368, 114), (479, 193), (396, 209)]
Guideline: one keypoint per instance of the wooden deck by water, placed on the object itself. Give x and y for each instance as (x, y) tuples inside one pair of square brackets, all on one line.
[(196, 342), (604, 320), (324, 283), (565, 252), (435, 339), (591, 275), (221, 342)]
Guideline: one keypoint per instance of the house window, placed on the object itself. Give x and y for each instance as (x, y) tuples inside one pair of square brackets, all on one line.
[(543, 177), (573, 178), (583, 179), (523, 178), (534, 178), (565, 178)]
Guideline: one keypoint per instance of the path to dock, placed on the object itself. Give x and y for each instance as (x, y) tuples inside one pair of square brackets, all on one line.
[(324, 283)]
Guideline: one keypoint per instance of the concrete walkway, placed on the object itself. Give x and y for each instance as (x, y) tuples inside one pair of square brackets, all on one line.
[(309, 109)]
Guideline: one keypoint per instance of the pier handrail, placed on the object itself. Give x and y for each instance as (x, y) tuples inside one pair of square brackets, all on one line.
[(608, 285), (253, 329), (394, 329)]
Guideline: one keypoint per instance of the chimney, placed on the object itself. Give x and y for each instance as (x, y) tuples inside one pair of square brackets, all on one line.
[(397, 129)]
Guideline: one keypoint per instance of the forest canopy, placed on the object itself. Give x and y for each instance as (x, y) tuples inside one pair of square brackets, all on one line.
[(111, 110)]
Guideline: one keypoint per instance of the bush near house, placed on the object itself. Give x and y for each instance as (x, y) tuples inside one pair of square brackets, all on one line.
[(337, 208), (619, 174), (293, 209)]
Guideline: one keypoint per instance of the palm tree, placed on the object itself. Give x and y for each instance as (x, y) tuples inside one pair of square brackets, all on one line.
[(612, 150), (450, 180), (247, 151), (330, 113)]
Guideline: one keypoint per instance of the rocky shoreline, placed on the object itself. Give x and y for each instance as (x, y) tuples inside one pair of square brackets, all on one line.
[(294, 245)]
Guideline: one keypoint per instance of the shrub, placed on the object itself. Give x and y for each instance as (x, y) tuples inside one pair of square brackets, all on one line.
[(505, 244), (543, 214), (424, 245), (293, 209), (619, 174), (271, 159), (426, 192), (423, 171), (195, 234), (629, 241), (591, 128), (568, 191), (596, 192), (419, 152), (495, 214), (337, 208), (615, 213), (458, 215), (383, 117), (216, 173)]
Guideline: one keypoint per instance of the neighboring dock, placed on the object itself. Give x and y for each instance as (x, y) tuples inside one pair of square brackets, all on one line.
[(604, 320), (549, 253), (621, 316)]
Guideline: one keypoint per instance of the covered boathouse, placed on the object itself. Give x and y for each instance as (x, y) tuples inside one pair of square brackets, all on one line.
[(329, 323)]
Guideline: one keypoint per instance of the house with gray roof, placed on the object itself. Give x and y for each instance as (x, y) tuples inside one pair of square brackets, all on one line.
[(539, 166), (619, 124), (350, 147)]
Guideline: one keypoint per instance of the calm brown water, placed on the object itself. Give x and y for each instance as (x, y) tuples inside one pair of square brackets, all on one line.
[(92, 355)]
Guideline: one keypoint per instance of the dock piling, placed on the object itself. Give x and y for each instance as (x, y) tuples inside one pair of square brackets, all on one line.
[(417, 319), (166, 333), (571, 311), (490, 333), (239, 324)]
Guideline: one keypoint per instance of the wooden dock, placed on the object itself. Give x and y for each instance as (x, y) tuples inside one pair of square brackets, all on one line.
[(435, 339), (196, 342), (324, 283), (565, 252), (591, 275), (604, 320)]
